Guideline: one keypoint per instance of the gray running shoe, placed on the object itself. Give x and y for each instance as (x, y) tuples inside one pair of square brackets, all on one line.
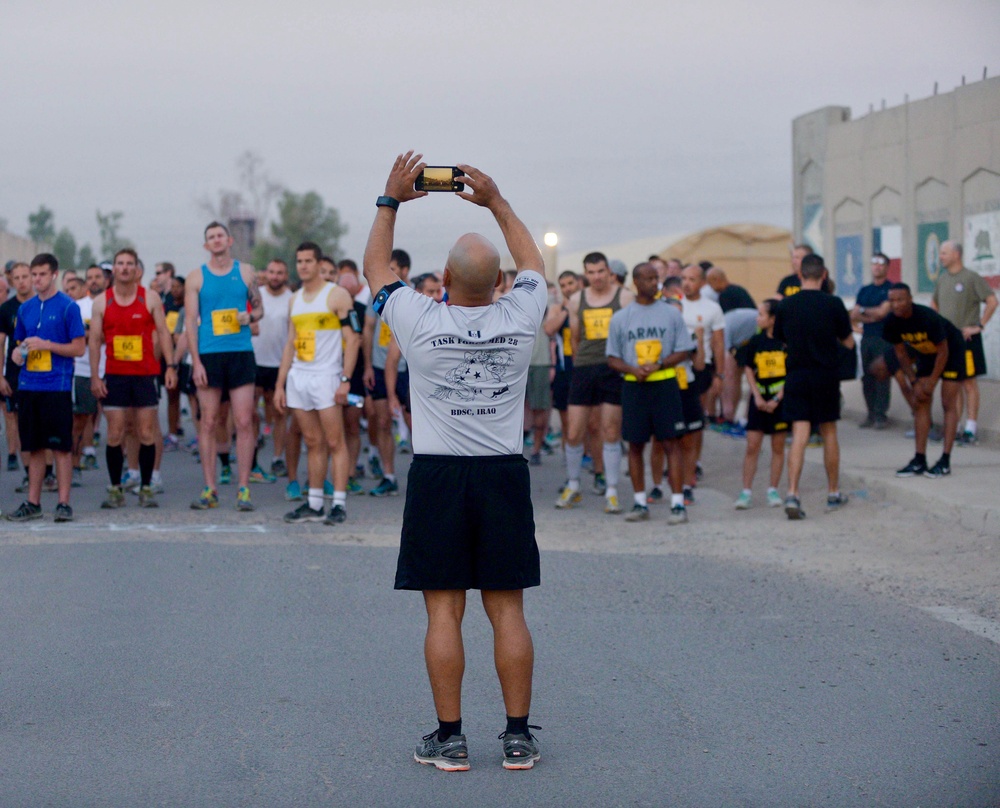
[(64, 513), (23, 487), (147, 498), (50, 483), (303, 514), (336, 516), (116, 498), (600, 485), (793, 508), (449, 755), (639, 513), (25, 513), (834, 502), (678, 515), (520, 751), (77, 480)]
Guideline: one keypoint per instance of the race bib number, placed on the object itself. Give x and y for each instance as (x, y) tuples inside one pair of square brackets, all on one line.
[(127, 349), (647, 351), (682, 378), (305, 346), (567, 342), (225, 321), (770, 364), (384, 335), (39, 361), (172, 317), (596, 322)]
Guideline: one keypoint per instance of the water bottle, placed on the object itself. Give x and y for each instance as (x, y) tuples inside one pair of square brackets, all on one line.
[(354, 400)]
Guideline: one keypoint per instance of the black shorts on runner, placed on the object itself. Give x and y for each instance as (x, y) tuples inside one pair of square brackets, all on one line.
[(975, 358), (812, 395), (652, 409), (185, 384), (560, 386), (591, 385), (770, 423), (11, 400), (84, 400), (703, 378), (358, 379), (228, 370), (266, 378), (380, 393), (694, 414), (468, 524), (45, 420), (130, 391)]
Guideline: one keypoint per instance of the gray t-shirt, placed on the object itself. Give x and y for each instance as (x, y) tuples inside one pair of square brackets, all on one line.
[(644, 335), (741, 325), (958, 296)]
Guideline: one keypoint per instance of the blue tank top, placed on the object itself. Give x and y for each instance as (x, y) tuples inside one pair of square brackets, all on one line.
[(221, 300)]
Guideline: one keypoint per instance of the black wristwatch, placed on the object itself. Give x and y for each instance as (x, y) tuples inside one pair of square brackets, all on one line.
[(345, 379), (387, 202)]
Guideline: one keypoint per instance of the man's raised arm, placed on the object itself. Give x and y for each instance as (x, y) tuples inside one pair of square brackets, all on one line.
[(521, 245)]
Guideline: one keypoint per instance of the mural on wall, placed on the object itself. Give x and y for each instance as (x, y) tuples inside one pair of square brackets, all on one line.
[(888, 239), (930, 235), (850, 266), (981, 246)]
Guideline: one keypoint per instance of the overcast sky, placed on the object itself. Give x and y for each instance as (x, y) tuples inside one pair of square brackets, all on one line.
[(603, 121)]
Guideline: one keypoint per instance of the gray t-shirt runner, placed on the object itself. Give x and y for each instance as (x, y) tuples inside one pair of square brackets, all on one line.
[(644, 335)]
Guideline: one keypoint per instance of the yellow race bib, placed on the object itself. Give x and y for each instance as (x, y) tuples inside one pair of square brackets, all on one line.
[(647, 351), (596, 323), (305, 346), (384, 336), (39, 361), (567, 342), (770, 364), (127, 348), (172, 317), (225, 321)]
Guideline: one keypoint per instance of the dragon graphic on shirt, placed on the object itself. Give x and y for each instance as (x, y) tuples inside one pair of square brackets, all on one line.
[(478, 366)]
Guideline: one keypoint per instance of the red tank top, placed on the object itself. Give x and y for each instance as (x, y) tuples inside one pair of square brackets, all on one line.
[(128, 335)]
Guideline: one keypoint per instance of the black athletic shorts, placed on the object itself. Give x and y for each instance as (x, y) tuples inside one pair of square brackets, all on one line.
[(45, 420), (955, 369), (591, 385), (11, 400), (266, 378), (84, 400), (380, 393), (769, 423), (703, 378), (694, 414), (468, 524), (975, 358), (185, 384), (358, 379), (228, 370), (560, 385), (652, 409), (812, 395), (130, 391)]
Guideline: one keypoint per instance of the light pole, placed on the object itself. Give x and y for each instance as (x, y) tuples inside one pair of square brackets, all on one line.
[(551, 256)]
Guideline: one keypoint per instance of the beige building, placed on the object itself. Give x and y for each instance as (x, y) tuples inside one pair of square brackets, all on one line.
[(901, 181)]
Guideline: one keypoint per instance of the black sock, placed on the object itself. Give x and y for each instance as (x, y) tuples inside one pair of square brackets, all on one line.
[(517, 726), (115, 460), (920, 458), (448, 728), (224, 458), (48, 470), (945, 459), (147, 458)]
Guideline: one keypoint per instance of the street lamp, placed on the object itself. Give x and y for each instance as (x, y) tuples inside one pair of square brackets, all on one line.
[(551, 241)]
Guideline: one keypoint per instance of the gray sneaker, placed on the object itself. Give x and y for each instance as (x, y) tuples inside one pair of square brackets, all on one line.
[(834, 502), (63, 513), (25, 513), (116, 498), (793, 508), (678, 515), (449, 755), (639, 513), (520, 751)]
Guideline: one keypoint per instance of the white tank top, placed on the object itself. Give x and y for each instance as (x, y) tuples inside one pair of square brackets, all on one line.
[(318, 341)]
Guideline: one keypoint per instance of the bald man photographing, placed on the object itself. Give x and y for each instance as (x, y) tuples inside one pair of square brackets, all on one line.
[(468, 521)]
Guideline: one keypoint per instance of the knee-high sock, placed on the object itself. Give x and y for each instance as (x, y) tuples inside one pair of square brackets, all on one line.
[(612, 454), (147, 458), (116, 460), (574, 461)]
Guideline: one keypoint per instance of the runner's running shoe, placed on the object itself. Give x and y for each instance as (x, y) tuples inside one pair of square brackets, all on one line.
[(742, 501), (834, 502), (258, 475), (611, 505), (293, 491), (568, 499), (793, 508), (226, 477), (520, 751), (912, 469), (639, 513), (25, 512), (243, 502), (600, 485), (147, 498), (63, 513), (336, 516), (773, 499), (449, 755), (116, 498), (208, 499), (678, 515), (939, 469), (386, 488), (303, 514)]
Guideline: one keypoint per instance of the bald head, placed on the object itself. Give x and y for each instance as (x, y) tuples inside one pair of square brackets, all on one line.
[(473, 264), (717, 279)]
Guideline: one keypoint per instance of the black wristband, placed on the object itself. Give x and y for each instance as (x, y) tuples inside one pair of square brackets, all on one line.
[(387, 202)]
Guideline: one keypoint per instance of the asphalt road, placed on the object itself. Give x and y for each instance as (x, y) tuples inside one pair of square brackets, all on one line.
[(184, 658)]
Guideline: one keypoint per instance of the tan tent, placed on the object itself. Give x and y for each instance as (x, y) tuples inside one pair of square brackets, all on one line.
[(753, 255)]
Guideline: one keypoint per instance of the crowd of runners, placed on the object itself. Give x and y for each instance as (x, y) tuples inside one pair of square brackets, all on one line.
[(654, 355)]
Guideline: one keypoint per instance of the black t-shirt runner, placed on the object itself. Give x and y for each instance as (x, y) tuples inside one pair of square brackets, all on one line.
[(792, 284), (921, 332), (767, 357), (812, 324), (8, 319), (735, 297)]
